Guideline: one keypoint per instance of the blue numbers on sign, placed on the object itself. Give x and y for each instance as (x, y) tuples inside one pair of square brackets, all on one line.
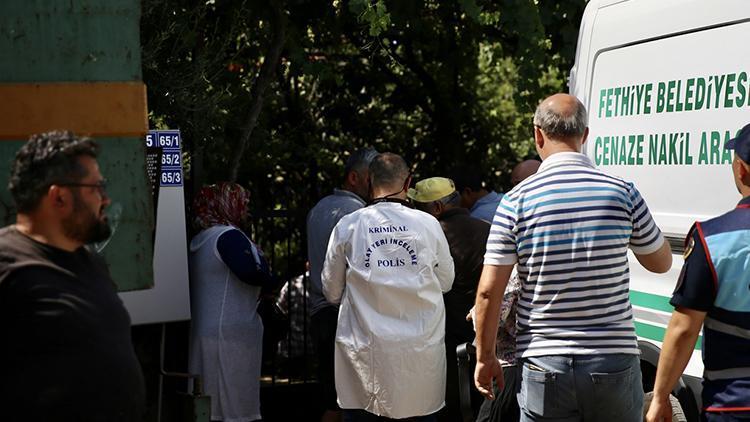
[(163, 138), (171, 156)]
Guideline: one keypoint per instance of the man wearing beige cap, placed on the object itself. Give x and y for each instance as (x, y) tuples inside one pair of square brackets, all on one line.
[(467, 238)]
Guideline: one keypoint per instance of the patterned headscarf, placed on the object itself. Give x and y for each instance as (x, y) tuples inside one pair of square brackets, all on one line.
[(223, 203)]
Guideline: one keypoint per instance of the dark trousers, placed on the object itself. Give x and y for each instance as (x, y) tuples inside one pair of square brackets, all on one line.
[(323, 325), (505, 406), (457, 331)]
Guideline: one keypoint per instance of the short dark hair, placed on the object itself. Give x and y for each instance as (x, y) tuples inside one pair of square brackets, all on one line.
[(47, 159), (388, 169), (360, 160), (466, 177)]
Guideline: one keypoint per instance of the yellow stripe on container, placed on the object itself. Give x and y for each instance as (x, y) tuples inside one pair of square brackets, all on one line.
[(99, 109)]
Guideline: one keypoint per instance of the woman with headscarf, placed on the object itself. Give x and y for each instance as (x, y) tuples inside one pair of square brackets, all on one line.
[(226, 273)]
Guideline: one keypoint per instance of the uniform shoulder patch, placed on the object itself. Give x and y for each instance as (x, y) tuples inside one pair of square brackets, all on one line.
[(689, 248)]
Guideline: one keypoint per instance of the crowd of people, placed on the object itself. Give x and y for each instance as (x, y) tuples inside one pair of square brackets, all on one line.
[(548, 267), (537, 277)]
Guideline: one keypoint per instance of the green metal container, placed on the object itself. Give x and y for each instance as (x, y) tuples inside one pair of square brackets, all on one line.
[(77, 65)]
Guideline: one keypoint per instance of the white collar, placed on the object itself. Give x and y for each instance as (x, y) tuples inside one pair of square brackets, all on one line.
[(565, 158)]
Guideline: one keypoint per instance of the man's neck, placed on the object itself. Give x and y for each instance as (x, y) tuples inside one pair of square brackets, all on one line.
[(347, 187), (41, 230), (390, 192), (554, 147), (451, 210), (352, 190)]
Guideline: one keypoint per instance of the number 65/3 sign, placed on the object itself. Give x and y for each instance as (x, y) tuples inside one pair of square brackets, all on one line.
[(171, 177)]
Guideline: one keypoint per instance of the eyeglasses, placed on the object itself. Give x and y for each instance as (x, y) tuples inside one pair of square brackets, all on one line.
[(101, 186)]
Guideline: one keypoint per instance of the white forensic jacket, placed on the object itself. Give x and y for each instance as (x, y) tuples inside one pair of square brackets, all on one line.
[(389, 265)]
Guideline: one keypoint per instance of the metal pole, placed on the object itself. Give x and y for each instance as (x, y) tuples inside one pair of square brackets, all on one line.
[(161, 371)]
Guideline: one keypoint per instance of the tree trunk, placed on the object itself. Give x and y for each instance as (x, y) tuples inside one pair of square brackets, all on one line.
[(264, 78)]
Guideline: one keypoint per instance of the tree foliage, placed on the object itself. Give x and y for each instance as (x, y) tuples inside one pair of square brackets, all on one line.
[(444, 83)]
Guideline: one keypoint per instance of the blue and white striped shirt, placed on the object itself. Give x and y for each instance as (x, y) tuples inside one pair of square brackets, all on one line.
[(568, 228)]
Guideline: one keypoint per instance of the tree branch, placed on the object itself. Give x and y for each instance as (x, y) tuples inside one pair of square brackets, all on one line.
[(265, 75)]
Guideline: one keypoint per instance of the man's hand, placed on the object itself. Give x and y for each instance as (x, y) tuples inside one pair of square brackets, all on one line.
[(679, 341), (484, 373), (487, 309), (660, 410)]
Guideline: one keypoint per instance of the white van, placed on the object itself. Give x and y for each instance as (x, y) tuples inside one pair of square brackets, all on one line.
[(666, 84)]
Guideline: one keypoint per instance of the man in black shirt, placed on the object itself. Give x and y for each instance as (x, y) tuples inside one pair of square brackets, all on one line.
[(66, 351)]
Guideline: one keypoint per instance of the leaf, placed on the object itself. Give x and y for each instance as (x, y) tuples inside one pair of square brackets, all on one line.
[(471, 9)]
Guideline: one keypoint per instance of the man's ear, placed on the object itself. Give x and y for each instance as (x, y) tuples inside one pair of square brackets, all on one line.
[(743, 172), (538, 137), (351, 178), (585, 136), (55, 196), (439, 207), (59, 199)]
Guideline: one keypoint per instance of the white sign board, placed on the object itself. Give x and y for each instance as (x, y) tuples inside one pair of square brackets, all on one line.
[(169, 299)]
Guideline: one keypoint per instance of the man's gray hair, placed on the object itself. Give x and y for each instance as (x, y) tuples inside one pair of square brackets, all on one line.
[(388, 170), (559, 126), (453, 199), (360, 160)]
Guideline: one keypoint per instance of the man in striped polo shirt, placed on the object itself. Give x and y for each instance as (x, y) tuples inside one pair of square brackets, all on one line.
[(568, 228)]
